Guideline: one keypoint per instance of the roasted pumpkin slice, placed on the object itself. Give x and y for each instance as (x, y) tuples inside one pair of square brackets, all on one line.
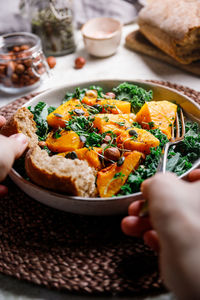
[(62, 141), (161, 113), (111, 179), (112, 106), (64, 112), (113, 122), (137, 139), (91, 155)]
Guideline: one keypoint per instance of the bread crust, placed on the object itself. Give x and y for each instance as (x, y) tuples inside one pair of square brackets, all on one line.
[(174, 27), (72, 177), (22, 121)]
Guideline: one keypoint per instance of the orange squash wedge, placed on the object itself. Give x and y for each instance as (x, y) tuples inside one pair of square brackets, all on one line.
[(141, 140), (161, 113), (68, 141), (111, 179), (64, 112), (113, 122)]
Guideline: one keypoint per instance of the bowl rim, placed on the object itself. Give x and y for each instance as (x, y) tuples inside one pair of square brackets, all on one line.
[(108, 37), (13, 172)]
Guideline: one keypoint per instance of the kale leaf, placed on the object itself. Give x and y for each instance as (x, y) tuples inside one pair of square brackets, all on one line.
[(40, 112), (137, 96)]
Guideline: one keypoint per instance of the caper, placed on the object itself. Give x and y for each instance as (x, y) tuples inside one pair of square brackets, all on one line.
[(71, 155), (82, 138), (79, 112), (120, 161), (68, 155), (132, 132)]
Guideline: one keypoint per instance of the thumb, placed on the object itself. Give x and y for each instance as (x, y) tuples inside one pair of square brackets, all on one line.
[(18, 143), (11, 148)]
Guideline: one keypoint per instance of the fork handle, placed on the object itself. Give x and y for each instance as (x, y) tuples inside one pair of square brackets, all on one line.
[(144, 211), (163, 160)]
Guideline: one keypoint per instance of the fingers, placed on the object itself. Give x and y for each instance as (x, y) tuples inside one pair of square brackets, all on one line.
[(194, 175), (135, 226), (2, 121), (135, 207), (157, 184), (11, 148), (3, 190), (151, 239)]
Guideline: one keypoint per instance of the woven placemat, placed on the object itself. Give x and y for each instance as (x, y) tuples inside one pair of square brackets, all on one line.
[(75, 253)]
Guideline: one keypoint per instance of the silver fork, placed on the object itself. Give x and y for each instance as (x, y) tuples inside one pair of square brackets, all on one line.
[(163, 160)]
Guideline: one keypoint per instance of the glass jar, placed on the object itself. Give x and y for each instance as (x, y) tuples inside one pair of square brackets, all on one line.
[(22, 62), (52, 21)]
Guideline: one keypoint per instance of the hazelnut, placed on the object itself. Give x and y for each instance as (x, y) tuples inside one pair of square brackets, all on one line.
[(30, 72), (79, 62), (24, 47), (2, 70), (51, 61), (110, 95), (19, 69), (25, 79), (14, 78), (27, 62), (107, 139), (91, 94), (16, 49), (112, 153)]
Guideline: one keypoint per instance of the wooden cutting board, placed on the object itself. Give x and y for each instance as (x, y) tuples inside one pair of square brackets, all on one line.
[(137, 42)]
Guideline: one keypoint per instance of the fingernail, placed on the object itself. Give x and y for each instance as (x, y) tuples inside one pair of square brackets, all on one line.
[(20, 137)]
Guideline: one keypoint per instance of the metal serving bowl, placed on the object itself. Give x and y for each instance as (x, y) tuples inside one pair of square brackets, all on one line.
[(100, 206)]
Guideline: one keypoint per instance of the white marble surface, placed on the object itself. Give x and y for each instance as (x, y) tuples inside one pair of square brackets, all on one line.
[(125, 64)]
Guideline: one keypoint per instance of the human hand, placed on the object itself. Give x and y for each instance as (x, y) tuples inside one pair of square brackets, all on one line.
[(10, 148), (174, 207)]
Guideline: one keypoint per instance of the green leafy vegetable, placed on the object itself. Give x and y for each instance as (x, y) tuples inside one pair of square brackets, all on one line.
[(80, 93), (40, 112), (137, 96), (57, 134), (180, 158)]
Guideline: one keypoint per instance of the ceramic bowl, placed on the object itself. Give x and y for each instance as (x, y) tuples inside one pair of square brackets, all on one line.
[(99, 206), (102, 36)]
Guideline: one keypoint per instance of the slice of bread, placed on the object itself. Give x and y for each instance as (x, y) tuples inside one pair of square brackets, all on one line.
[(22, 121), (174, 27), (57, 173), (73, 177)]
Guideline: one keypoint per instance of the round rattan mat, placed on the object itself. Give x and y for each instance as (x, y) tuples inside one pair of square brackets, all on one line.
[(76, 253)]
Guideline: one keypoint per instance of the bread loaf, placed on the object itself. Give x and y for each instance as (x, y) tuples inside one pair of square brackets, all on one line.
[(73, 177), (57, 173), (174, 27)]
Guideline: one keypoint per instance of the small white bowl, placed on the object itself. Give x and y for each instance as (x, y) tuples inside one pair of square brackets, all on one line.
[(102, 36)]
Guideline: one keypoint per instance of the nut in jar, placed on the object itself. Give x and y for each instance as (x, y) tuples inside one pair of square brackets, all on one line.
[(22, 62)]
